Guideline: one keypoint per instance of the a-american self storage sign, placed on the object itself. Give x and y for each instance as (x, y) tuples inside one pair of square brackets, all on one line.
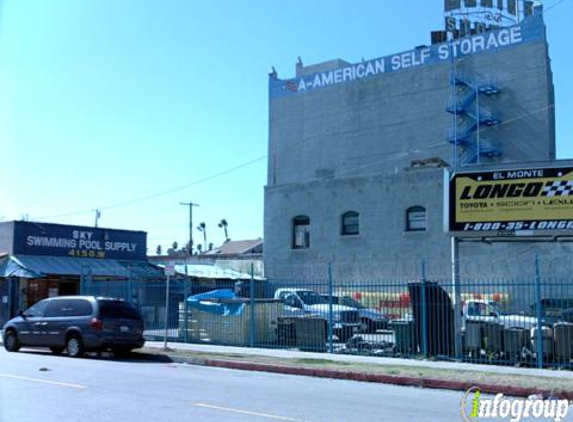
[(528, 201)]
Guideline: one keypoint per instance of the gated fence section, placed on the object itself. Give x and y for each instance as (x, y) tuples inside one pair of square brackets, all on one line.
[(519, 321)]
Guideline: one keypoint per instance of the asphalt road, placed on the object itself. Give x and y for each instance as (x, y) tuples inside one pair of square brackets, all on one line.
[(37, 386)]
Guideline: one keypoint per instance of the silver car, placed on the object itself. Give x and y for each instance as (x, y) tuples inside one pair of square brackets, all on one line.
[(77, 324)]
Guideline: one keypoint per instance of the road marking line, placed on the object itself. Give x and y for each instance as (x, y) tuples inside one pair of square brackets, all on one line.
[(60, 384), (246, 412)]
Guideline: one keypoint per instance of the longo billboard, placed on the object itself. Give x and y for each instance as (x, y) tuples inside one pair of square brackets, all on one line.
[(526, 202)]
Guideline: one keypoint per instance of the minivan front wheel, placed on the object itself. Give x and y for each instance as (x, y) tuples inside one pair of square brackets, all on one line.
[(11, 342), (75, 347)]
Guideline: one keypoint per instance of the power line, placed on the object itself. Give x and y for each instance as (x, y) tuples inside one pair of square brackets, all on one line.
[(393, 155), (159, 194), (554, 5)]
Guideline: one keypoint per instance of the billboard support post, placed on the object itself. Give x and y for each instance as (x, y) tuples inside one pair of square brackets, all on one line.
[(540, 337), (456, 294)]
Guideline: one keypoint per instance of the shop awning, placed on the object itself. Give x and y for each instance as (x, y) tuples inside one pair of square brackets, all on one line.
[(28, 266), (11, 268), (212, 272)]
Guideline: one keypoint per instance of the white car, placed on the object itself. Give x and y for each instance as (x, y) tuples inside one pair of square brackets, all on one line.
[(483, 310)]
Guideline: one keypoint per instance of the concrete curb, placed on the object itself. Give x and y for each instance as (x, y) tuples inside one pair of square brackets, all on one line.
[(375, 378)]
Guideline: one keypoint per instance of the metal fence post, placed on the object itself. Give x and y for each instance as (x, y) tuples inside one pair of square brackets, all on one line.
[(130, 288), (538, 307), (166, 310), (186, 306), (252, 321), (13, 297), (457, 295), (84, 289), (424, 312), (330, 311)]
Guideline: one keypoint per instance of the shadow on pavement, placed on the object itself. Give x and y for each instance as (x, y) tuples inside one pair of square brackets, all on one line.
[(134, 357)]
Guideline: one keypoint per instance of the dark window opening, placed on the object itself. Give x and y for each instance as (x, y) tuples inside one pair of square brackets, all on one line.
[(301, 232), (416, 219), (350, 223)]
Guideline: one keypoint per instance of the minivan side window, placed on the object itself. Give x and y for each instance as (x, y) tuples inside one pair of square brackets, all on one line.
[(117, 309), (78, 307), (37, 310), (56, 308)]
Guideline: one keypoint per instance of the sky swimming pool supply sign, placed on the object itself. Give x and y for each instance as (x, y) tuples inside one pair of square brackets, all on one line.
[(531, 30), (527, 201), (78, 242)]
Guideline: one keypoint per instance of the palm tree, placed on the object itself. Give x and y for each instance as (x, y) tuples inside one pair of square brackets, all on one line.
[(223, 224), (203, 228)]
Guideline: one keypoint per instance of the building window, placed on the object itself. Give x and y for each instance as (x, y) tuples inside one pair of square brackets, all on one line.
[(301, 232), (350, 223), (416, 219)]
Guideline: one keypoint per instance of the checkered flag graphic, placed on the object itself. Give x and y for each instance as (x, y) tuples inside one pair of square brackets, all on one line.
[(559, 188)]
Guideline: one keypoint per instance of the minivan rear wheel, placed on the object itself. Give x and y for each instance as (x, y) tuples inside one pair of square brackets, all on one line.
[(11, 342), (75, 347)]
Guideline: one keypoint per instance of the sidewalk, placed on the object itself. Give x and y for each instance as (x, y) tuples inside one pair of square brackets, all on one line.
[(295, 354), (510, 381)]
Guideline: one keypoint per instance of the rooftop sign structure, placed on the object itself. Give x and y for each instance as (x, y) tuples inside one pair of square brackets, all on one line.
[(529, 31), (466, 17)]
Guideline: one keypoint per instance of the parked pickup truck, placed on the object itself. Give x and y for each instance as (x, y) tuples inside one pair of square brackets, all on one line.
[(301, 302), (483, 310), (370, 318)]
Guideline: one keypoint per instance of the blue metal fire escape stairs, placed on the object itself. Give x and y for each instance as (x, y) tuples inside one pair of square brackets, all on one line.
[(471, 119)]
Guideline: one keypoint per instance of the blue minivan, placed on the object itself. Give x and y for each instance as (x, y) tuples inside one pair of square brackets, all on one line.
[(77, 324)]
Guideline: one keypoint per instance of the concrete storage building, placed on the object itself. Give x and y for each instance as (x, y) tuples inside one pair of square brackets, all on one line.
[(357, 152)]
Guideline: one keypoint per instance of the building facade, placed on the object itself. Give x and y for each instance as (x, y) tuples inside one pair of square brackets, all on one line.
[(357, 152), (40, 260)]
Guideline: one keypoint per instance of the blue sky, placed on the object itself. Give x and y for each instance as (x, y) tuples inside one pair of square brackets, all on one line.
[(103, 102)]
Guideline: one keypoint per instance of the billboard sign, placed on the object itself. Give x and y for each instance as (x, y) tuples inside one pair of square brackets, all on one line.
[(78, 242), (510, 202)]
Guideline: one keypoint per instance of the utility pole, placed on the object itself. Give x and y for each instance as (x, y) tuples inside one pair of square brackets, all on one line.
[(97, 216), (190, 205)]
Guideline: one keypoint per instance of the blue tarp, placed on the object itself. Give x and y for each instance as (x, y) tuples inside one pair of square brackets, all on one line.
[(204, 303)]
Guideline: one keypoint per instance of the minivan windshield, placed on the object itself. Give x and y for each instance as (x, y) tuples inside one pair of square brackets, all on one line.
[(117, 309)]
